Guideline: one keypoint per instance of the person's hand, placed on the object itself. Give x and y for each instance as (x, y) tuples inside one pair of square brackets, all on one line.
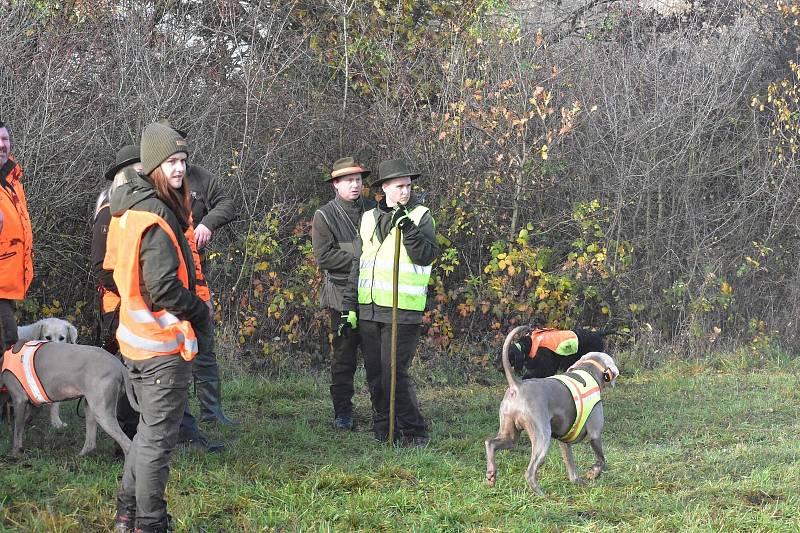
[(202, 235), (1, 221), (400, 217), (347, 322)]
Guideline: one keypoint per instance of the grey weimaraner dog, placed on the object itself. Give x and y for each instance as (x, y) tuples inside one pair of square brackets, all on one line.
[(55, 330), (545, 408), (68, 371)]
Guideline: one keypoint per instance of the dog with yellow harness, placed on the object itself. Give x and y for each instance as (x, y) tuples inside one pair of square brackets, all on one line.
[(565, 407)]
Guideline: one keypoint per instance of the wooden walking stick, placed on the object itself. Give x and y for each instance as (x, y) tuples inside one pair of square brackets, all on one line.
[(393, 352)]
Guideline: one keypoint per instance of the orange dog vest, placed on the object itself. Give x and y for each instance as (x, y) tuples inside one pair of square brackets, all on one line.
[(21, 364), (562, 342)]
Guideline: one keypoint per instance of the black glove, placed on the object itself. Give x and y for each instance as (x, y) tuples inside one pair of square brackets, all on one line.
[(400, 218)]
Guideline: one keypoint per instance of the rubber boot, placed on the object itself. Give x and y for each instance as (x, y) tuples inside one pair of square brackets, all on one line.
[(210, 398)]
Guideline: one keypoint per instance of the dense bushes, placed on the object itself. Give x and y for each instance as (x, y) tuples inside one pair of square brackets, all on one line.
[(605, 166)]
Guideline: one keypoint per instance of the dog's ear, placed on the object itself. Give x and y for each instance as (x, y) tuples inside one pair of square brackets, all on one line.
[(72, 334), (37, 330)]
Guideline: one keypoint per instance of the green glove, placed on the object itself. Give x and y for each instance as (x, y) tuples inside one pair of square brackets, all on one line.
[(347, 322)]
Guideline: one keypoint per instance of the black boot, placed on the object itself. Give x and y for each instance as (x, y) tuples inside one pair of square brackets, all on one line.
[(164, 527), (210, 398)]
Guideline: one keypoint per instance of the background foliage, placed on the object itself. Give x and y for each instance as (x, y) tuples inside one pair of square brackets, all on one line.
[(594, 163)]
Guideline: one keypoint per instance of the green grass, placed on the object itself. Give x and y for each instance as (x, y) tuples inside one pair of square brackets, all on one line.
[(709, 447)]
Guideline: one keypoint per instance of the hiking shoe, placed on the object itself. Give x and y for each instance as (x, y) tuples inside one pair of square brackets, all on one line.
[(344, 422)]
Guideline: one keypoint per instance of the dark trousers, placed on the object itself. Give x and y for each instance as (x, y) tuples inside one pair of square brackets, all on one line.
[(188, 429), (343, 366), (8, 324), (160, 384), (204, 369), (376, 338)]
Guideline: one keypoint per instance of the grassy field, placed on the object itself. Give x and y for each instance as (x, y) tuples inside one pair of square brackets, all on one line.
[(704, 447)]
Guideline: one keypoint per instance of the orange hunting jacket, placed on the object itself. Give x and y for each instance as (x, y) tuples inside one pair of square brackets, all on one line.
[(16, 237)]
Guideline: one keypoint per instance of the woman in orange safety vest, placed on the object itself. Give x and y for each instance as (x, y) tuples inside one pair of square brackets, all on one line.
[(159, 314)]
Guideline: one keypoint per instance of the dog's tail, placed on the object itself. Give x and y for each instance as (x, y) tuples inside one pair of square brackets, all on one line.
[(509, 372), (129, 390)]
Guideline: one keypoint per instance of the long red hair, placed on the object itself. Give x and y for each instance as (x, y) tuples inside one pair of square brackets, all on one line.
[(176, 199)]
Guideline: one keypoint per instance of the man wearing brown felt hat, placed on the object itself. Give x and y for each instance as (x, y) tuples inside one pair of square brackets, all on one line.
[(333, 230)]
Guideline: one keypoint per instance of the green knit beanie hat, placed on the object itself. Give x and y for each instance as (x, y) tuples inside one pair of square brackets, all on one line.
[(158, 143)]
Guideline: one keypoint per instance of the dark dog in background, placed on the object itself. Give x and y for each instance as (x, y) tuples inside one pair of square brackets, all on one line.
[(545, 361)]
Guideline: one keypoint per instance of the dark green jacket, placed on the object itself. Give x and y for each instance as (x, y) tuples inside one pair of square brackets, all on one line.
[(212, 206), (334, 230), (420, 244), (158, 259)]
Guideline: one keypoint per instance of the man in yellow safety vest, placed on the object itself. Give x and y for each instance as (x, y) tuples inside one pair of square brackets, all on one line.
[(368, 298)]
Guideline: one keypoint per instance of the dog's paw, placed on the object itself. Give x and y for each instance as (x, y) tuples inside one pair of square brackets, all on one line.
[(491, 478), (537, 490), (594, 472)]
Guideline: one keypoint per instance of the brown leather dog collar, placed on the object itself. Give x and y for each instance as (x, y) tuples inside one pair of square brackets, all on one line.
[(597, 365)]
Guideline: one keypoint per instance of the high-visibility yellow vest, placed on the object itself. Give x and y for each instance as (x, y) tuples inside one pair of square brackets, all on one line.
[(586, 396), (143, 333), (377, 265)]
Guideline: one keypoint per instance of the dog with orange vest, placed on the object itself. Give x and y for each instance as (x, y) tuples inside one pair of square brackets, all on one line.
[(36, 373), (545, 352)]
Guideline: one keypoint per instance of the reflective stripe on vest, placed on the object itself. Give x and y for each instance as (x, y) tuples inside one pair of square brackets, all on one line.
[(377, 265), (562, 342), (21, 364), (585, 397), (142, 332)]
